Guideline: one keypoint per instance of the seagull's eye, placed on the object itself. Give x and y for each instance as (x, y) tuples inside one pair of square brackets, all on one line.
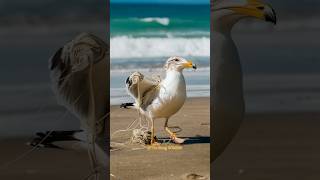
[(176, 60)]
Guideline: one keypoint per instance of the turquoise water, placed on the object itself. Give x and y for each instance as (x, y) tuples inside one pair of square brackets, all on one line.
[(158, 30), (158, 20), (143, 36)]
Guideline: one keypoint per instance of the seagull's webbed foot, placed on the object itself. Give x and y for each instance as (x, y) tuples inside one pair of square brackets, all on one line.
[(175, 139), (173, 135)]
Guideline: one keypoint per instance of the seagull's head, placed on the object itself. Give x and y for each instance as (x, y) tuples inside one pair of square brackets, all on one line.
[(178, 64), (229, 12)]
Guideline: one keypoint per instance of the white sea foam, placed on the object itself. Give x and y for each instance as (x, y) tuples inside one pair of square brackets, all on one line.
[(161, 20), (142, 47)]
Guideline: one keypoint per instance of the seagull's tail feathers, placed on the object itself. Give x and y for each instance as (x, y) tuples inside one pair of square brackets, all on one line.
[(127, 106)]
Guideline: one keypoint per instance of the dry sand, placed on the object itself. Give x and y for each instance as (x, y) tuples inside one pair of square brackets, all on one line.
[(53, 164), (193, 158)]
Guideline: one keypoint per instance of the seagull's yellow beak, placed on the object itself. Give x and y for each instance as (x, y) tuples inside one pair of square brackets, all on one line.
[(257, 9), (190, 64)]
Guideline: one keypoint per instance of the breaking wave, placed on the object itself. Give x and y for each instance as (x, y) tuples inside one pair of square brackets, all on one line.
[(160, 20), (142, 47)]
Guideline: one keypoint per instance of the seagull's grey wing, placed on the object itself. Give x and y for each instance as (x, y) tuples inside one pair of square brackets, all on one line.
[(149, 96), (70, 70), (137, 84)]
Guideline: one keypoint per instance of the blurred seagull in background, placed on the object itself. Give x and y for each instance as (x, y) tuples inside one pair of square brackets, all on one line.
[(79, 74), (160, 99), (228, 106)]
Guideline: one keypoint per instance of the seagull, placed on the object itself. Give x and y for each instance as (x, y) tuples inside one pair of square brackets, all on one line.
[(228, 105), (160, 99), (79, 78)]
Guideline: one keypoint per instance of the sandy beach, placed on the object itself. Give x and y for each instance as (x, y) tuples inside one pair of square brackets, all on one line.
[(193, 158), (268, 146), (126, 163)]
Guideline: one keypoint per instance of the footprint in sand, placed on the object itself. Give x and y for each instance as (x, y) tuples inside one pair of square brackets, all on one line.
[(194, 176)]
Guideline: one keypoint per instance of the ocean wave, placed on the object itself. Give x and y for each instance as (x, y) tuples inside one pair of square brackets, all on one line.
[(160, 20), (129, 47), (159, 27), (160, 33)]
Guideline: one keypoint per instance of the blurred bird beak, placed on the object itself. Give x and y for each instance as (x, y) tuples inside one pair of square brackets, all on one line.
[(189, 64), (257, 9)]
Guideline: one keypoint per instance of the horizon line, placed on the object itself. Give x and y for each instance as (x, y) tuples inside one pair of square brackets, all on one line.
[(160, 3)]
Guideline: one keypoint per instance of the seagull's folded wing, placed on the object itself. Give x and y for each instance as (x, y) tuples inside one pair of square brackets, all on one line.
[(142, 88)]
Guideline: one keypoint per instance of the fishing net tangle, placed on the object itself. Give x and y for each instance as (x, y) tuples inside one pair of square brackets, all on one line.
[(139, 128)]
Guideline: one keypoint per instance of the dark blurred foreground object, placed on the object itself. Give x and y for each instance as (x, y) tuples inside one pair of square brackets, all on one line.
[(79, 74), (228, 101)]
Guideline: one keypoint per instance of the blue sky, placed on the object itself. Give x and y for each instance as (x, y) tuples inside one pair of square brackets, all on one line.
[(163, 1)]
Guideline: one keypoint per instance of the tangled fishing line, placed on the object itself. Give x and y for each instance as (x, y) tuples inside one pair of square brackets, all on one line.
[(139, 128)]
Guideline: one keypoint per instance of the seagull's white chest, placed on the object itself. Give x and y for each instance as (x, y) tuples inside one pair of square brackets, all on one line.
[(171, 97)]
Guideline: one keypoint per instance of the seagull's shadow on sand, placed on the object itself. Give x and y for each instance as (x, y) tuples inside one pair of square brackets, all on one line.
[(191, 140)]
